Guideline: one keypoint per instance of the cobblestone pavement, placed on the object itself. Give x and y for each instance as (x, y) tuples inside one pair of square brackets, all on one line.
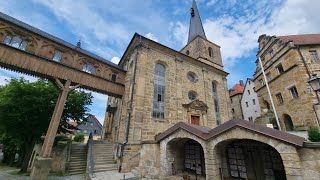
[(5, 174)]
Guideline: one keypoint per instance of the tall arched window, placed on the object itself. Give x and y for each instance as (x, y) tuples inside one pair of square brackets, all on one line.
[(159, 91), (216, 102)]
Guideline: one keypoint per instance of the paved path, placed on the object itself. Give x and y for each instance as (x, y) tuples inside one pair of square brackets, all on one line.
[(114, 175), (5, 174)]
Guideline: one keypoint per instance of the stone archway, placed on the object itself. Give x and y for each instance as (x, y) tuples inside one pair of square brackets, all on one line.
[(250, 159), (288, 122), (181, 154), (287, 152), (186, 155)]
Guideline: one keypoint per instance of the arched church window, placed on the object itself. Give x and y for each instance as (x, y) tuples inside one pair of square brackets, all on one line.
[(88, 68), (187, 52), (210, 51), (216, 102), (159, 91)]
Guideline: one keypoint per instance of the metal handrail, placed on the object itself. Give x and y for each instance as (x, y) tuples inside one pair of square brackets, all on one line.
[(91, 159)]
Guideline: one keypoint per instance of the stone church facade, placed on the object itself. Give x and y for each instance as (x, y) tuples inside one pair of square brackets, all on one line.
[(174, 116), (164, 87)]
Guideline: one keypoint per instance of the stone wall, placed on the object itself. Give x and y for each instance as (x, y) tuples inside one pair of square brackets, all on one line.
[(236, 106), (59, 157), (300, 109), (310, 162)]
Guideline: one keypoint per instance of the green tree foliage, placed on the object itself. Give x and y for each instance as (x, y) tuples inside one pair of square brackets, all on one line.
[(314, 134), (79, 137), (26, 109)]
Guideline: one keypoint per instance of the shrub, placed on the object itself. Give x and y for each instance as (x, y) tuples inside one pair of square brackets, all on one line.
[(314, 134), (79, 137), (60, 138)]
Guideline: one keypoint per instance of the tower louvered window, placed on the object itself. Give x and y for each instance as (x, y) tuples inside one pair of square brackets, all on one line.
[(159, 91)]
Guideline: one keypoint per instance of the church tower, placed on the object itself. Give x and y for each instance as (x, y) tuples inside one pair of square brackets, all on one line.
[(198, 46)]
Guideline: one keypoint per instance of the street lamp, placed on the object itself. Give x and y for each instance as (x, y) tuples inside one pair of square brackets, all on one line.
[(315, 82)]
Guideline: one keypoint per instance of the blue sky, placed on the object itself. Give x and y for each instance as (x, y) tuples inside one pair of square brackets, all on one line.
[(106, 27)]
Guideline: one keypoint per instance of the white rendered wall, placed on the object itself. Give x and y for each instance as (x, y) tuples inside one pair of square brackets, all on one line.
[(252, 110)]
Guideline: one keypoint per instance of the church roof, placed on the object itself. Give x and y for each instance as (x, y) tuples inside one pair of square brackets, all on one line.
[(196, 28), (207, 133)]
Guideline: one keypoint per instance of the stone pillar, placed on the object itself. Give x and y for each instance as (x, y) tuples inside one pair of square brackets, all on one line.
[(42, 164), (41, 168)]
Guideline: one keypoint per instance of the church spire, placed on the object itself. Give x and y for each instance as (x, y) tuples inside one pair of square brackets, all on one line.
[(196, 28)]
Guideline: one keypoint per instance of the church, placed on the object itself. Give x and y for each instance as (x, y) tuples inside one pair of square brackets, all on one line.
[(174, 118), (168, 114)]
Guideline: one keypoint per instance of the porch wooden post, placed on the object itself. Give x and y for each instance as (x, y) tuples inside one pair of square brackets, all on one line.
[(55, 120)]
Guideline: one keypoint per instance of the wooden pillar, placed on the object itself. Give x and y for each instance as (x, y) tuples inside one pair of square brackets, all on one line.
[(55, 119)]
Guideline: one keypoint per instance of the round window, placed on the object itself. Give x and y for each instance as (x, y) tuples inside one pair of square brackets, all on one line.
[(191, 77), (192, 95)]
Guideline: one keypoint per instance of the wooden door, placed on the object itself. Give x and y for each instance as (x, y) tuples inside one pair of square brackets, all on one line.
[(195, 120)]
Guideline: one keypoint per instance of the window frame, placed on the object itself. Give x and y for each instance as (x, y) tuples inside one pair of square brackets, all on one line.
[(158, 111), (280, 70), (295, 93), (314, 58), (279, 98)]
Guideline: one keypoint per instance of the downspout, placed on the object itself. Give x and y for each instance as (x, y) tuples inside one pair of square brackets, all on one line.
[(131, 106), (310, 75)]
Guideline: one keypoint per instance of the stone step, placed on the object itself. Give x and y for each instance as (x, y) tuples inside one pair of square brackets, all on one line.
[(80, 168), (103, 163), (77, 171), (78, 163)]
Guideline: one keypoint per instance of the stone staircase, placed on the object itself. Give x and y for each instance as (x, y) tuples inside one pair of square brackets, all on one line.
[(78, 159), (103, 156)]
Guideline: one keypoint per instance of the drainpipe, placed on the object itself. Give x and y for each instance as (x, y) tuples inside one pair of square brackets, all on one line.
[(310, 75), (131, 106)]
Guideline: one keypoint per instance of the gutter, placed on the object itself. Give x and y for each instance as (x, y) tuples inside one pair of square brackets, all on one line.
[(131, 106)]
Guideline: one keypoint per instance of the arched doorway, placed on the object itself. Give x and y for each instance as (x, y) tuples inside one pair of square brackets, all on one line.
[(186, 156), (249, 159), (288, 122)]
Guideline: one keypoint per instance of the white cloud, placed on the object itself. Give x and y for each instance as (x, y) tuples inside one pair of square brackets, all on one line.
[(151, 36), (180, 32), (115, 60), (4, 80), (237, 35)]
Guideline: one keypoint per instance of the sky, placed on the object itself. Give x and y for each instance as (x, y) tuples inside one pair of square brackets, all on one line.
[(106, 27)]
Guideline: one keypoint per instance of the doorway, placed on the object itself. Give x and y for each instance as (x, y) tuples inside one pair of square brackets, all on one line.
[(195, 120)]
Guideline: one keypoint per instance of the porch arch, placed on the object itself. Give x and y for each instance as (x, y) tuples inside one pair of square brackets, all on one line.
[(173, 153), (287, 152)]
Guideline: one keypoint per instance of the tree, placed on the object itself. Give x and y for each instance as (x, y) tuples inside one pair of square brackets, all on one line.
[(26, 109)]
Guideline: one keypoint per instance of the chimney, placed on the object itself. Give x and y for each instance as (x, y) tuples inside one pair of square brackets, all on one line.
[(241, 82)]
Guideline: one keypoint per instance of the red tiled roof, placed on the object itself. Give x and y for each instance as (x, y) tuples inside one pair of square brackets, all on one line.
[(236, 89), (73, 123), (303, 39), (206, 134)]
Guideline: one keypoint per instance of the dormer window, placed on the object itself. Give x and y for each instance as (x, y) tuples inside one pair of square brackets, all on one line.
[(15, 41)]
